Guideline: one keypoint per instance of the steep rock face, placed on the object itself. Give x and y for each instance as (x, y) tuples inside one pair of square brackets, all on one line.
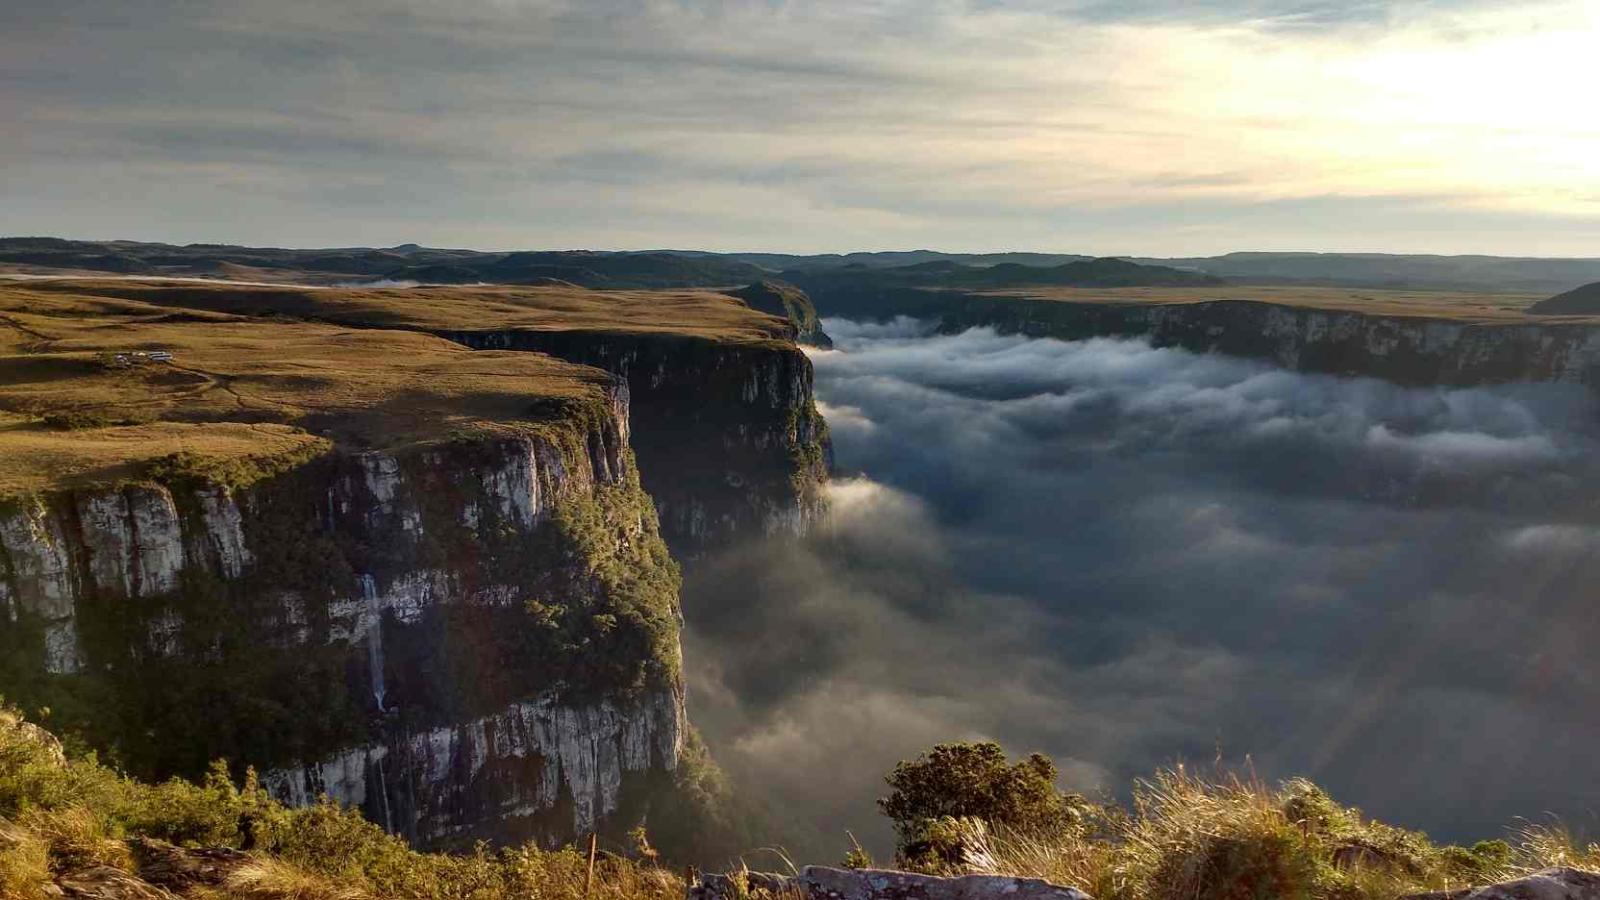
[(1404, 349), (508, 771), (727, 434), (789, 302), (474, 639), (1400, 349)]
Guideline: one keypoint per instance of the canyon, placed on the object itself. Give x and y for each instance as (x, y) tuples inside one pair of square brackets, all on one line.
[(1406, 337), (418, 549)]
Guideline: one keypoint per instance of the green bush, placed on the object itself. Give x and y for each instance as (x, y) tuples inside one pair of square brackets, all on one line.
[(953, 782), (58, 816)]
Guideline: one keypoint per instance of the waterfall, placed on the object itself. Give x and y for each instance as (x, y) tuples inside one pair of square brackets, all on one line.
[(374, 613), (383, 796)]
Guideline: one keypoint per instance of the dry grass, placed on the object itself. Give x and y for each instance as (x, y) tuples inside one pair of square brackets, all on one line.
[(699, 313), (240, 391), (24, 863), (78, 838), (1234, 838), (265, 878), (1497, 308)]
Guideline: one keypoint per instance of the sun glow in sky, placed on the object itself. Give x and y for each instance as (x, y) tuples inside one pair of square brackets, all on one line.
[(1140, 127)]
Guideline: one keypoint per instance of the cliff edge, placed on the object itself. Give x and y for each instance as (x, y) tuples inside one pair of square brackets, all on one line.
[(725, 425), (375, 565)]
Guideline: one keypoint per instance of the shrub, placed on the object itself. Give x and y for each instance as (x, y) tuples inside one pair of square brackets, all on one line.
[(59, 816), (1225, 837), (972, 781)]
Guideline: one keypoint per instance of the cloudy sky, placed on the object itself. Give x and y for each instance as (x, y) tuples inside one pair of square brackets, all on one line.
[(1146, 127)]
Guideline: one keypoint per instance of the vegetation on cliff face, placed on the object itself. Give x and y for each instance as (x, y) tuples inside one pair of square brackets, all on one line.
[(420, 536), (782, 299), (79, 823), (963, 809)]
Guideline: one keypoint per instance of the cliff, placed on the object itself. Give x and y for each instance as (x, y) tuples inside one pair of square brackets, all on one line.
[(422, 580), (786, 301), (729, 440), (1407, 337), (725, 425)]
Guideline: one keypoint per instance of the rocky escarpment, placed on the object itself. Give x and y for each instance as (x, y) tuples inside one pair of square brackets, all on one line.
[(728, 437), (786, 301), (1406, 349), (469, 639)]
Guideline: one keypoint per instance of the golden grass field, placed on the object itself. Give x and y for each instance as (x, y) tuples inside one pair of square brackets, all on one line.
[(242, 389), (701, 313)]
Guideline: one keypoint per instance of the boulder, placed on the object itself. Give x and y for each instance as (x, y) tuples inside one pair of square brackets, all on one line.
[(1550, 884), (180, 869), (824, 883), (106, 883)]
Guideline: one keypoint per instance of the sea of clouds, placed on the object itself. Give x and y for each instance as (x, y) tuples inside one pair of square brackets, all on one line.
[(1126, 557)]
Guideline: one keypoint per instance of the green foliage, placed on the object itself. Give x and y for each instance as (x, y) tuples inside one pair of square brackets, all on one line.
[(857, 856), (1189, 838), (931, 794), (59, 816), (233, 472), (633, 640), (82, 419)]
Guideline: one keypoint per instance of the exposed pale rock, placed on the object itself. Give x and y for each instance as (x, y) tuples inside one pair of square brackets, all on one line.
[(108, 541), (381, 475), (40, 561), (107, 883), (583, 752), (1550, 884), (824, 883), (514, 487), (40, 569), (223, 532), (157, 540), (405, 598)]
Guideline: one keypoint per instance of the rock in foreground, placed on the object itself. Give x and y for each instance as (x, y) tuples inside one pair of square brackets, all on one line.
[(1549, 884), (824, 883)]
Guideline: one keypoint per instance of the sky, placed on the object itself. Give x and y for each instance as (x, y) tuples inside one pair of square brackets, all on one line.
[(1128, 557), (1083, 126)]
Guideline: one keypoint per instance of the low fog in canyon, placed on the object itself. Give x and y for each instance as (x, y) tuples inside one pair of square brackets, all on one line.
[(1127, 557)]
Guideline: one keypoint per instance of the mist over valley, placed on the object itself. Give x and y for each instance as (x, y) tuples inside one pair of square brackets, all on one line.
[(1128, 557)]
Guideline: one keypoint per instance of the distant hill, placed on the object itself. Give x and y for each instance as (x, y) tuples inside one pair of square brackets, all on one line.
[(1478, 273), (700, 268), (1085, 273), (408, 262), (1581, 301), (913, 289)]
